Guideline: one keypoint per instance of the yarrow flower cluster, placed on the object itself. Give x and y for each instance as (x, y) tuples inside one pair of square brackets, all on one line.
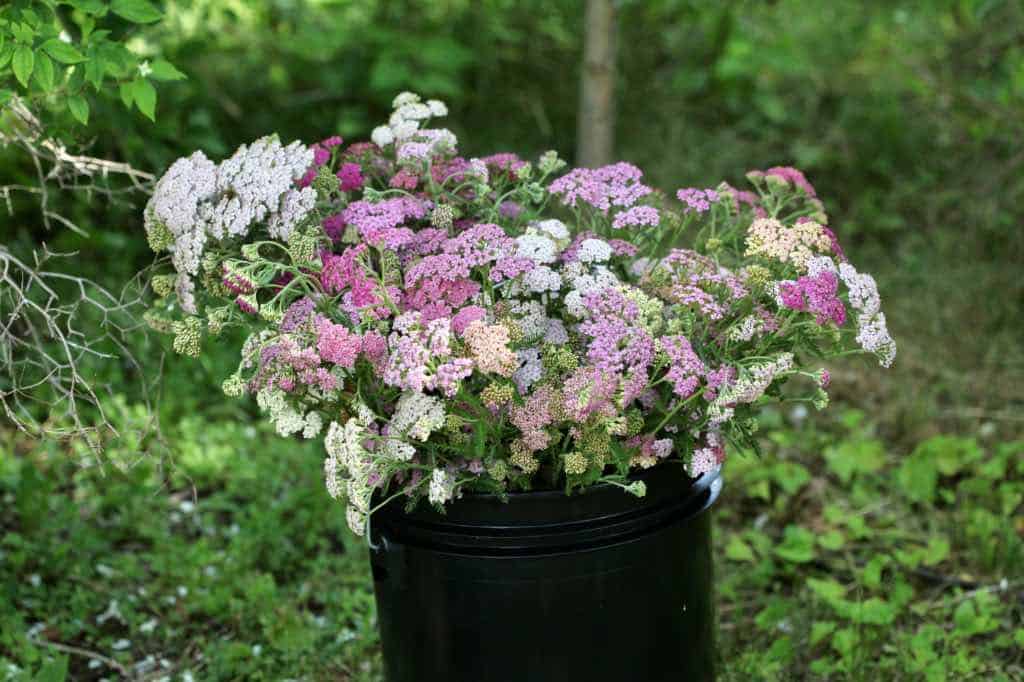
[(453, 325)]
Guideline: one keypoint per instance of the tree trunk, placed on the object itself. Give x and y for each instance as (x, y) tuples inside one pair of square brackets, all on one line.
[(596, 123)]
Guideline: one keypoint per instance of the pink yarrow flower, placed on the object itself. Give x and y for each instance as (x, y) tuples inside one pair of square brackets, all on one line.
[(638, 216), (697, 200), (617, 185)]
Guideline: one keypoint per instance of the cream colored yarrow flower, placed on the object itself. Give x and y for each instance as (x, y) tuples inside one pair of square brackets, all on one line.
[(797, 244), (417, 415)]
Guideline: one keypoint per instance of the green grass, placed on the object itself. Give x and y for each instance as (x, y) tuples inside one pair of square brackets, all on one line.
[(837, 558)]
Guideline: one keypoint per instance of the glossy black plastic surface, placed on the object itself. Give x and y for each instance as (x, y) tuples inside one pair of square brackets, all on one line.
[(596, 586)]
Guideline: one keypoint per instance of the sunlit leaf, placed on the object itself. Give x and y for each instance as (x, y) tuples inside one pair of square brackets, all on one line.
[(163, 70), (23, 62), (64, 53), (144, 95), (138, 11), (44, 72)]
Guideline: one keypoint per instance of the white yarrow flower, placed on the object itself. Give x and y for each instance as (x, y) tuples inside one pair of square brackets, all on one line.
[(442, 486), (382, 136)]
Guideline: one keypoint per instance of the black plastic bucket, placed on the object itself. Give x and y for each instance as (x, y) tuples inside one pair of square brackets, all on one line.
[(550, 588)]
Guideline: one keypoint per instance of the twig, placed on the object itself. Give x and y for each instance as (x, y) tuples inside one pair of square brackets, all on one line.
[(85, 653)]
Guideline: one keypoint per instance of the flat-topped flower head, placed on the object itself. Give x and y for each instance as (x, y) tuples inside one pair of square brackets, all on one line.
[(614, 186)]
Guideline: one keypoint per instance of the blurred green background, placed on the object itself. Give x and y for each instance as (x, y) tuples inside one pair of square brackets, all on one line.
[(881, 540)]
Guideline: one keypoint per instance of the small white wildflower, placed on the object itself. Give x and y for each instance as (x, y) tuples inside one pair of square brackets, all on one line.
[(749, 327), (574, 304), (356, 520), (594, 251), (404, 130), (313, 425), (121, 645), (403, 98), (442, 486), (145, 69), (530, 369), (398, 450), (540, 249), (417, 415), (541, 279), (382, 136), (437, 107), (149, 626)]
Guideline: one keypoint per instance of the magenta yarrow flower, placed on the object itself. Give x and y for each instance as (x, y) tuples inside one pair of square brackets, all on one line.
[(350, 176), (816, 294), (793, 177)]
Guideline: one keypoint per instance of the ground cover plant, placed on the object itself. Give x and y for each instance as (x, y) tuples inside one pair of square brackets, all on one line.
[(862, 562)]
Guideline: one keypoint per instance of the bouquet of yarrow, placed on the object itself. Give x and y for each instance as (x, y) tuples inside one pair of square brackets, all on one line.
[(493, 325)]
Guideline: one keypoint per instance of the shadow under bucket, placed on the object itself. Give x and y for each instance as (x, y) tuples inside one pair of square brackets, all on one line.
[(597, 586)]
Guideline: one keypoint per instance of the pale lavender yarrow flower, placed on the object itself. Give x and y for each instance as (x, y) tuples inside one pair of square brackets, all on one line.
[(297, 314), (697, 200), (637, 216)]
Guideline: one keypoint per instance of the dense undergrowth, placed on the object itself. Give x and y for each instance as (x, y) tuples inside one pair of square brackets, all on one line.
[(838, 557)]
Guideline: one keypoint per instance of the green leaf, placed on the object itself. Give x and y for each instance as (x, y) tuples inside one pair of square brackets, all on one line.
[(127, 94), (790, 476), (145, 97), (79, 108), (872, 573), (5, 55), (23, 63), (5, 96), (54, 671), (797, 545), (828, 589), (832, 540), (875, 611), (965, 618), (938, 550), (918, 477), (738, 550), (23, 33), (62, 52), (94, 71), (820, 630), (845, 641), (163, 70), (855, 457), (89, 6), (44, 72), (137, 11)]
